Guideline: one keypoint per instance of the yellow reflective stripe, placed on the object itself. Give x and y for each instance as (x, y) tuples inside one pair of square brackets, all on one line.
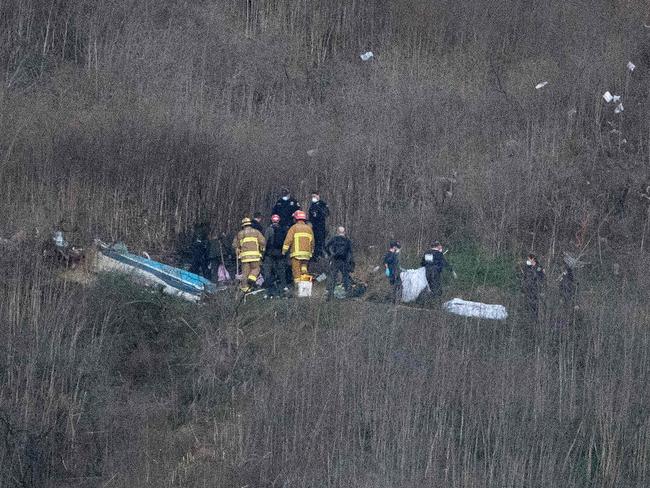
[(296, 241)]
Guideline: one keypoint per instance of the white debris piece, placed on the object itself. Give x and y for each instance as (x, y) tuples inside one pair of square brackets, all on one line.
[(572, 112), (366, 56), (608, 96), (466, 308), (618, 109), (631, 65), (312, 152), (321, 277), (541, 85), (414, 282), (616, 98)]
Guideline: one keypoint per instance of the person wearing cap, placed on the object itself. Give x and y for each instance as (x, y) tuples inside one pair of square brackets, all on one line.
[(434, 263), (285, 207), (318, 213), (392, 268), (299, 244), (533, 277), (275, 267), (249, 244)]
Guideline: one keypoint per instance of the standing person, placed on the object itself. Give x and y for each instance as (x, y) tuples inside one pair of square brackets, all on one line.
[(339, 250), (285, 207), (256, 223), (532, 283), (250, 245), (274, 261), (435, 263), (200, 250), (318, 213), (392, 268), (299, 243)]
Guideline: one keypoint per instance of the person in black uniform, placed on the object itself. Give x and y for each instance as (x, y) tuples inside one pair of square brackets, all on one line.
[(532, 282), (256, 223), (275, 264), (435, 263), (392, 268), (339, 249), (200, 250), (318, 213), (285, 208)]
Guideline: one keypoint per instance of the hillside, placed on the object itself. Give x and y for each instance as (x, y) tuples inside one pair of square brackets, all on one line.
[(133, 120)]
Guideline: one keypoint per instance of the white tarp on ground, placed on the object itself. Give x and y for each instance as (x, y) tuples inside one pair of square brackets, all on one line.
[(465, 308), (414, 282)]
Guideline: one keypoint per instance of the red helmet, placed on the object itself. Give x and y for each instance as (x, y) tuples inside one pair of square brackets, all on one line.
[(299, 215), (275, 218)]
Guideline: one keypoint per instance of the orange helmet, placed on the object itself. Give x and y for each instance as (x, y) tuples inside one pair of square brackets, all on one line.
[(275, 218), (299, 215)]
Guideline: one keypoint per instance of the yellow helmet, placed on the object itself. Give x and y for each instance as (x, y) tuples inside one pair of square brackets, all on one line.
[(245, 221)]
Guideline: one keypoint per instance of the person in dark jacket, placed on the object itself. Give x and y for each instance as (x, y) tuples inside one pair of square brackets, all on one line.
[(285, 207), (318, 213), (392, 269), (532, 282), (200, 250), (435, 263), (275, 264), (256, 223), (339, 250)]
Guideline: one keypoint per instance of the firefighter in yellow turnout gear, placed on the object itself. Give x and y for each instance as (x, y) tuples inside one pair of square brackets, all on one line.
[(299, 243), (249, 244)]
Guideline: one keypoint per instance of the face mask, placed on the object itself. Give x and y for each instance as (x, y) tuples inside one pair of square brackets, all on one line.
[(285, 198), (529, 262), (314, 199)]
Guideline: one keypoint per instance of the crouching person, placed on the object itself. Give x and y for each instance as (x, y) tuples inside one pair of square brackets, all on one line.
[(249, 244), (339, 250)]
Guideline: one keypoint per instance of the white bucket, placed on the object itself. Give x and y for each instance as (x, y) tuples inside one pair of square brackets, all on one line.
[(304, 289)]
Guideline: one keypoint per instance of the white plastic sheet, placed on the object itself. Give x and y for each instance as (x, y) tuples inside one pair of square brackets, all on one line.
[(414, 282), (366, 56), (541, 85), (619, 108), (631, 65), (608, 96), (466, 308)]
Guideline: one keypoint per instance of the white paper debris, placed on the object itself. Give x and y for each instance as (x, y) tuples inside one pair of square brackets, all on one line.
[(618, 109), (608, 96), (616, 98), (466, 308), (366, 56), (572, 112), (312, 152), (631, 65), (541, 85)]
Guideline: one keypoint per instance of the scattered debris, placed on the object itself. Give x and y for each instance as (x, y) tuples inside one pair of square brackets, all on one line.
[(611, 98), (631, 66), (466, 308), (541, 85), (573, 263), (312, 152), (366, 56), (572, 112), (173, 281), (618, 109)]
